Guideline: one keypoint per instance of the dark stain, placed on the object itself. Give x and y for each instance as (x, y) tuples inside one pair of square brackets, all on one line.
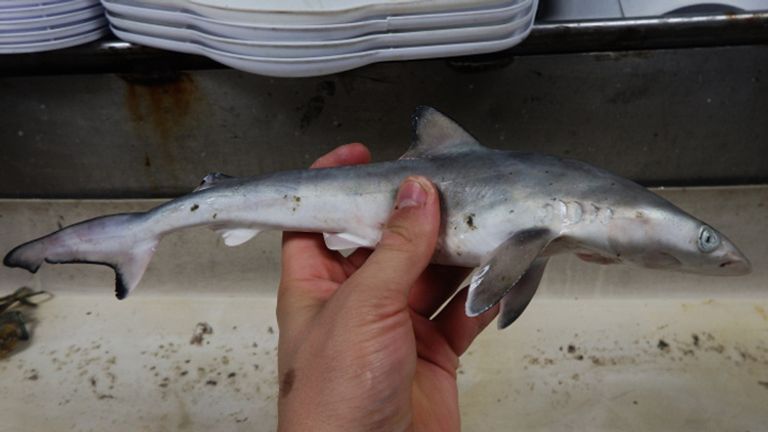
[(194, 207), (696, 340), (327, 88), (571, 349), (215, 215), (270, 330), (231, 375), (597, 361), (311, 110), (629, 95), (763, 383), (147, 162), (470, 221), (163, 100), (211, 382), (286, 384), (663, 345)]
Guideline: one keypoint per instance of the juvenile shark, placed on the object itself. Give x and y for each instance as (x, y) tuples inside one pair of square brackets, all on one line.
[(503, 212)]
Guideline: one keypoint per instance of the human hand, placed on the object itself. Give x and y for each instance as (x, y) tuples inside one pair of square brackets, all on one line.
[(357, 349)]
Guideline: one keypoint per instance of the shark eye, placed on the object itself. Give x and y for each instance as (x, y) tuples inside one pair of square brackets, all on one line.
[(708, 239)]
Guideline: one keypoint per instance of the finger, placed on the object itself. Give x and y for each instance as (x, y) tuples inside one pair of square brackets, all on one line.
[(348, 154), (434, 287), (459, 329), (404, 251), (356, 260), (310, 272), (312, 246)]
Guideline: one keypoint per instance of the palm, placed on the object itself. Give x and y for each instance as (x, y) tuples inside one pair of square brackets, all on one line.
[(320, 272)]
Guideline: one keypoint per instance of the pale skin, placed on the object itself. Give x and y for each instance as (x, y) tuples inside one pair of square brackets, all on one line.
[(359, 348)]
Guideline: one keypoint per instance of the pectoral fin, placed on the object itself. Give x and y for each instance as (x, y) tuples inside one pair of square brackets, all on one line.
[(504, 268), (516, 300)]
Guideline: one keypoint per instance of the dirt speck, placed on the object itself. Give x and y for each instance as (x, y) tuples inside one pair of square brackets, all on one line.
[(663, 345), (763, 383), (201, 329), (211, 382), (194, 207), (470, 221), (571, 349), (270, 330)]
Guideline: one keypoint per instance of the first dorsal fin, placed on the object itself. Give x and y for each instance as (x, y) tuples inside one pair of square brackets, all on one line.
[(435, 134)]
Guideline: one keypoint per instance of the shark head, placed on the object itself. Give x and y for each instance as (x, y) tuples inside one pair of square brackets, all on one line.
[(670, 239)]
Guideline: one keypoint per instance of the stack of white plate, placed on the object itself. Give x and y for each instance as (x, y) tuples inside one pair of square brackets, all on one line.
[(41, 25), (295, 38)]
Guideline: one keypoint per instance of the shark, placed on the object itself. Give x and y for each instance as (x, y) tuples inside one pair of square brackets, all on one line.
[(504, 213)]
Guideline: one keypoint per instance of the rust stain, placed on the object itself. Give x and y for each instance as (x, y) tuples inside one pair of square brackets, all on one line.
[(162, 102), (160, 106)]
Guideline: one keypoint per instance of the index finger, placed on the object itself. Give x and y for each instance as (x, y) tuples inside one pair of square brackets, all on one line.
[(311, 246)]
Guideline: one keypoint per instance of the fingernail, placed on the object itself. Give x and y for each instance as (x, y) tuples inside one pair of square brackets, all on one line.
[(411, 194)]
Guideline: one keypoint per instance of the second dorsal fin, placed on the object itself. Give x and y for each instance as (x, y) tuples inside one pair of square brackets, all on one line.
[(211, 180), (435, 134)]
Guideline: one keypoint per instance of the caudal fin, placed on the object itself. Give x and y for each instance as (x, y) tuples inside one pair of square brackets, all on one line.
[(119, 241)]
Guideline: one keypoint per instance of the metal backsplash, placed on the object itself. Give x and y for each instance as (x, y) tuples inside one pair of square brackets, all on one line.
[(664, 117)]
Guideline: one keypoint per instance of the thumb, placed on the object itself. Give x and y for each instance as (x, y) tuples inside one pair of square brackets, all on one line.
[(405, 249)]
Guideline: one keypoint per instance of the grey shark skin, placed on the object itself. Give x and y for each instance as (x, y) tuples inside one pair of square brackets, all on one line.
[(503, 212)]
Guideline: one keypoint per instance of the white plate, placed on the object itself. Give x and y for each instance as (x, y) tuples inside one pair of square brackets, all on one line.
[(300, 12), (42, 10), (12, 4), (315, 66), (54, 44), (66, 31), (53, 20), (273, 32), (284, 49)]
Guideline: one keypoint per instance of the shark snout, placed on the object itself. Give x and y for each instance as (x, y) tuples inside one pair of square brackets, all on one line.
[(734, 263)]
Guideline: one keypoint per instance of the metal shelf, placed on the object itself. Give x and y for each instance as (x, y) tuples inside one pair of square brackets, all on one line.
[(112, 55)]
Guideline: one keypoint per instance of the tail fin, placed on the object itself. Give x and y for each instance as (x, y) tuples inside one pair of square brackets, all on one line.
[(119, 241)]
